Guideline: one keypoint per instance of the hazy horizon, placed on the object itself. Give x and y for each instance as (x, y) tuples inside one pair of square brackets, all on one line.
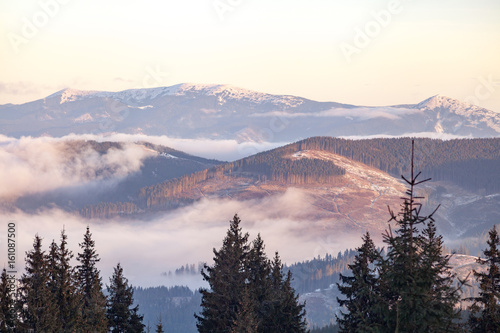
[(363, 53)]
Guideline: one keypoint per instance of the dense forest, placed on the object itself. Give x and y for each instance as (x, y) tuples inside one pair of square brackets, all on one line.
[(53, 296), (174, 305), (320, 273), (466, 162), (469, 163), (408, 287)]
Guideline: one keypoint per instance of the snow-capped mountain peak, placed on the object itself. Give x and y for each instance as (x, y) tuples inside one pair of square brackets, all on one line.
[(441, 101), (223, 92), (70, 95), (221, 111)]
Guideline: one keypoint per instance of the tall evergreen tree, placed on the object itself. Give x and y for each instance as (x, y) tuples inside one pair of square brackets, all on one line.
[(8, 311), (485, 311), (247, 293), (63, 284), (93, 310), (226, 278), (286, 314), (259, 284), (438, 283), (121, 317), (360, 291), (39, 311), (414, 270), (53, 283)]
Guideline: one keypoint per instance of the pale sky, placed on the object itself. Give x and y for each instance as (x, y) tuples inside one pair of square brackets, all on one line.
[(363, 52)]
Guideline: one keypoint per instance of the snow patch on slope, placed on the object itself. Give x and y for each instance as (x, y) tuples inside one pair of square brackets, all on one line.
[(84, 118), (366, 176)]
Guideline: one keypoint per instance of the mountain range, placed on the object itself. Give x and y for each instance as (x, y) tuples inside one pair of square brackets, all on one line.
[(227, 112), (323, 188), (331, 184)]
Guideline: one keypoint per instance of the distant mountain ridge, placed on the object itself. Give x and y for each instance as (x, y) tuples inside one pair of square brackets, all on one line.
[(228, 112)]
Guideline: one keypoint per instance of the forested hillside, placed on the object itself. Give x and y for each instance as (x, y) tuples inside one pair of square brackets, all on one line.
[(468, 163), (320, 273)]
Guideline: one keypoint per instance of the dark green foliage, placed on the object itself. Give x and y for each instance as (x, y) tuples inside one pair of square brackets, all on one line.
[(121, 317), (284, 313), (135, 324), (414, 289), (93, 310), (360, 291), (39, 311), (292, 313), (226, 278), (63, 284), (258, 289), (8, 311), (247, 293), (415, 282), (485, 311), (441, 295)]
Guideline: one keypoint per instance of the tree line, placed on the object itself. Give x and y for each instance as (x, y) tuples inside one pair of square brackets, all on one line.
[(411, 288), (320, 273), (469, 163), (53, 296)]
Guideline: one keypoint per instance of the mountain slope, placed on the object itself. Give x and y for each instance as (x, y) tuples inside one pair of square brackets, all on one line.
[(343, 185), (227, 112), (163, 164)]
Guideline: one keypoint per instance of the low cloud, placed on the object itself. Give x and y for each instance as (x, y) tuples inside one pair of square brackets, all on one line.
[(430, 135), (32, 165), (359, 113), (186, 235), (224, 150)]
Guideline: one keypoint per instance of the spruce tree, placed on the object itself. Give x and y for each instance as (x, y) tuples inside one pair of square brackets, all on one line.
[(485, 311), (259, 283), (360, 291), (93, 309), (226, 278), (39, 311), (415, 274), (63, 284), (286, 314), (53, 283), (247, 293), (121, 317), (441, 294), (135, 324), (159, 327), (8, 311)]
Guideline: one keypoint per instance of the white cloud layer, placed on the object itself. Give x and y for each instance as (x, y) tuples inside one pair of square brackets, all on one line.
[(31, 165), (186, 235), (359, 113)]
